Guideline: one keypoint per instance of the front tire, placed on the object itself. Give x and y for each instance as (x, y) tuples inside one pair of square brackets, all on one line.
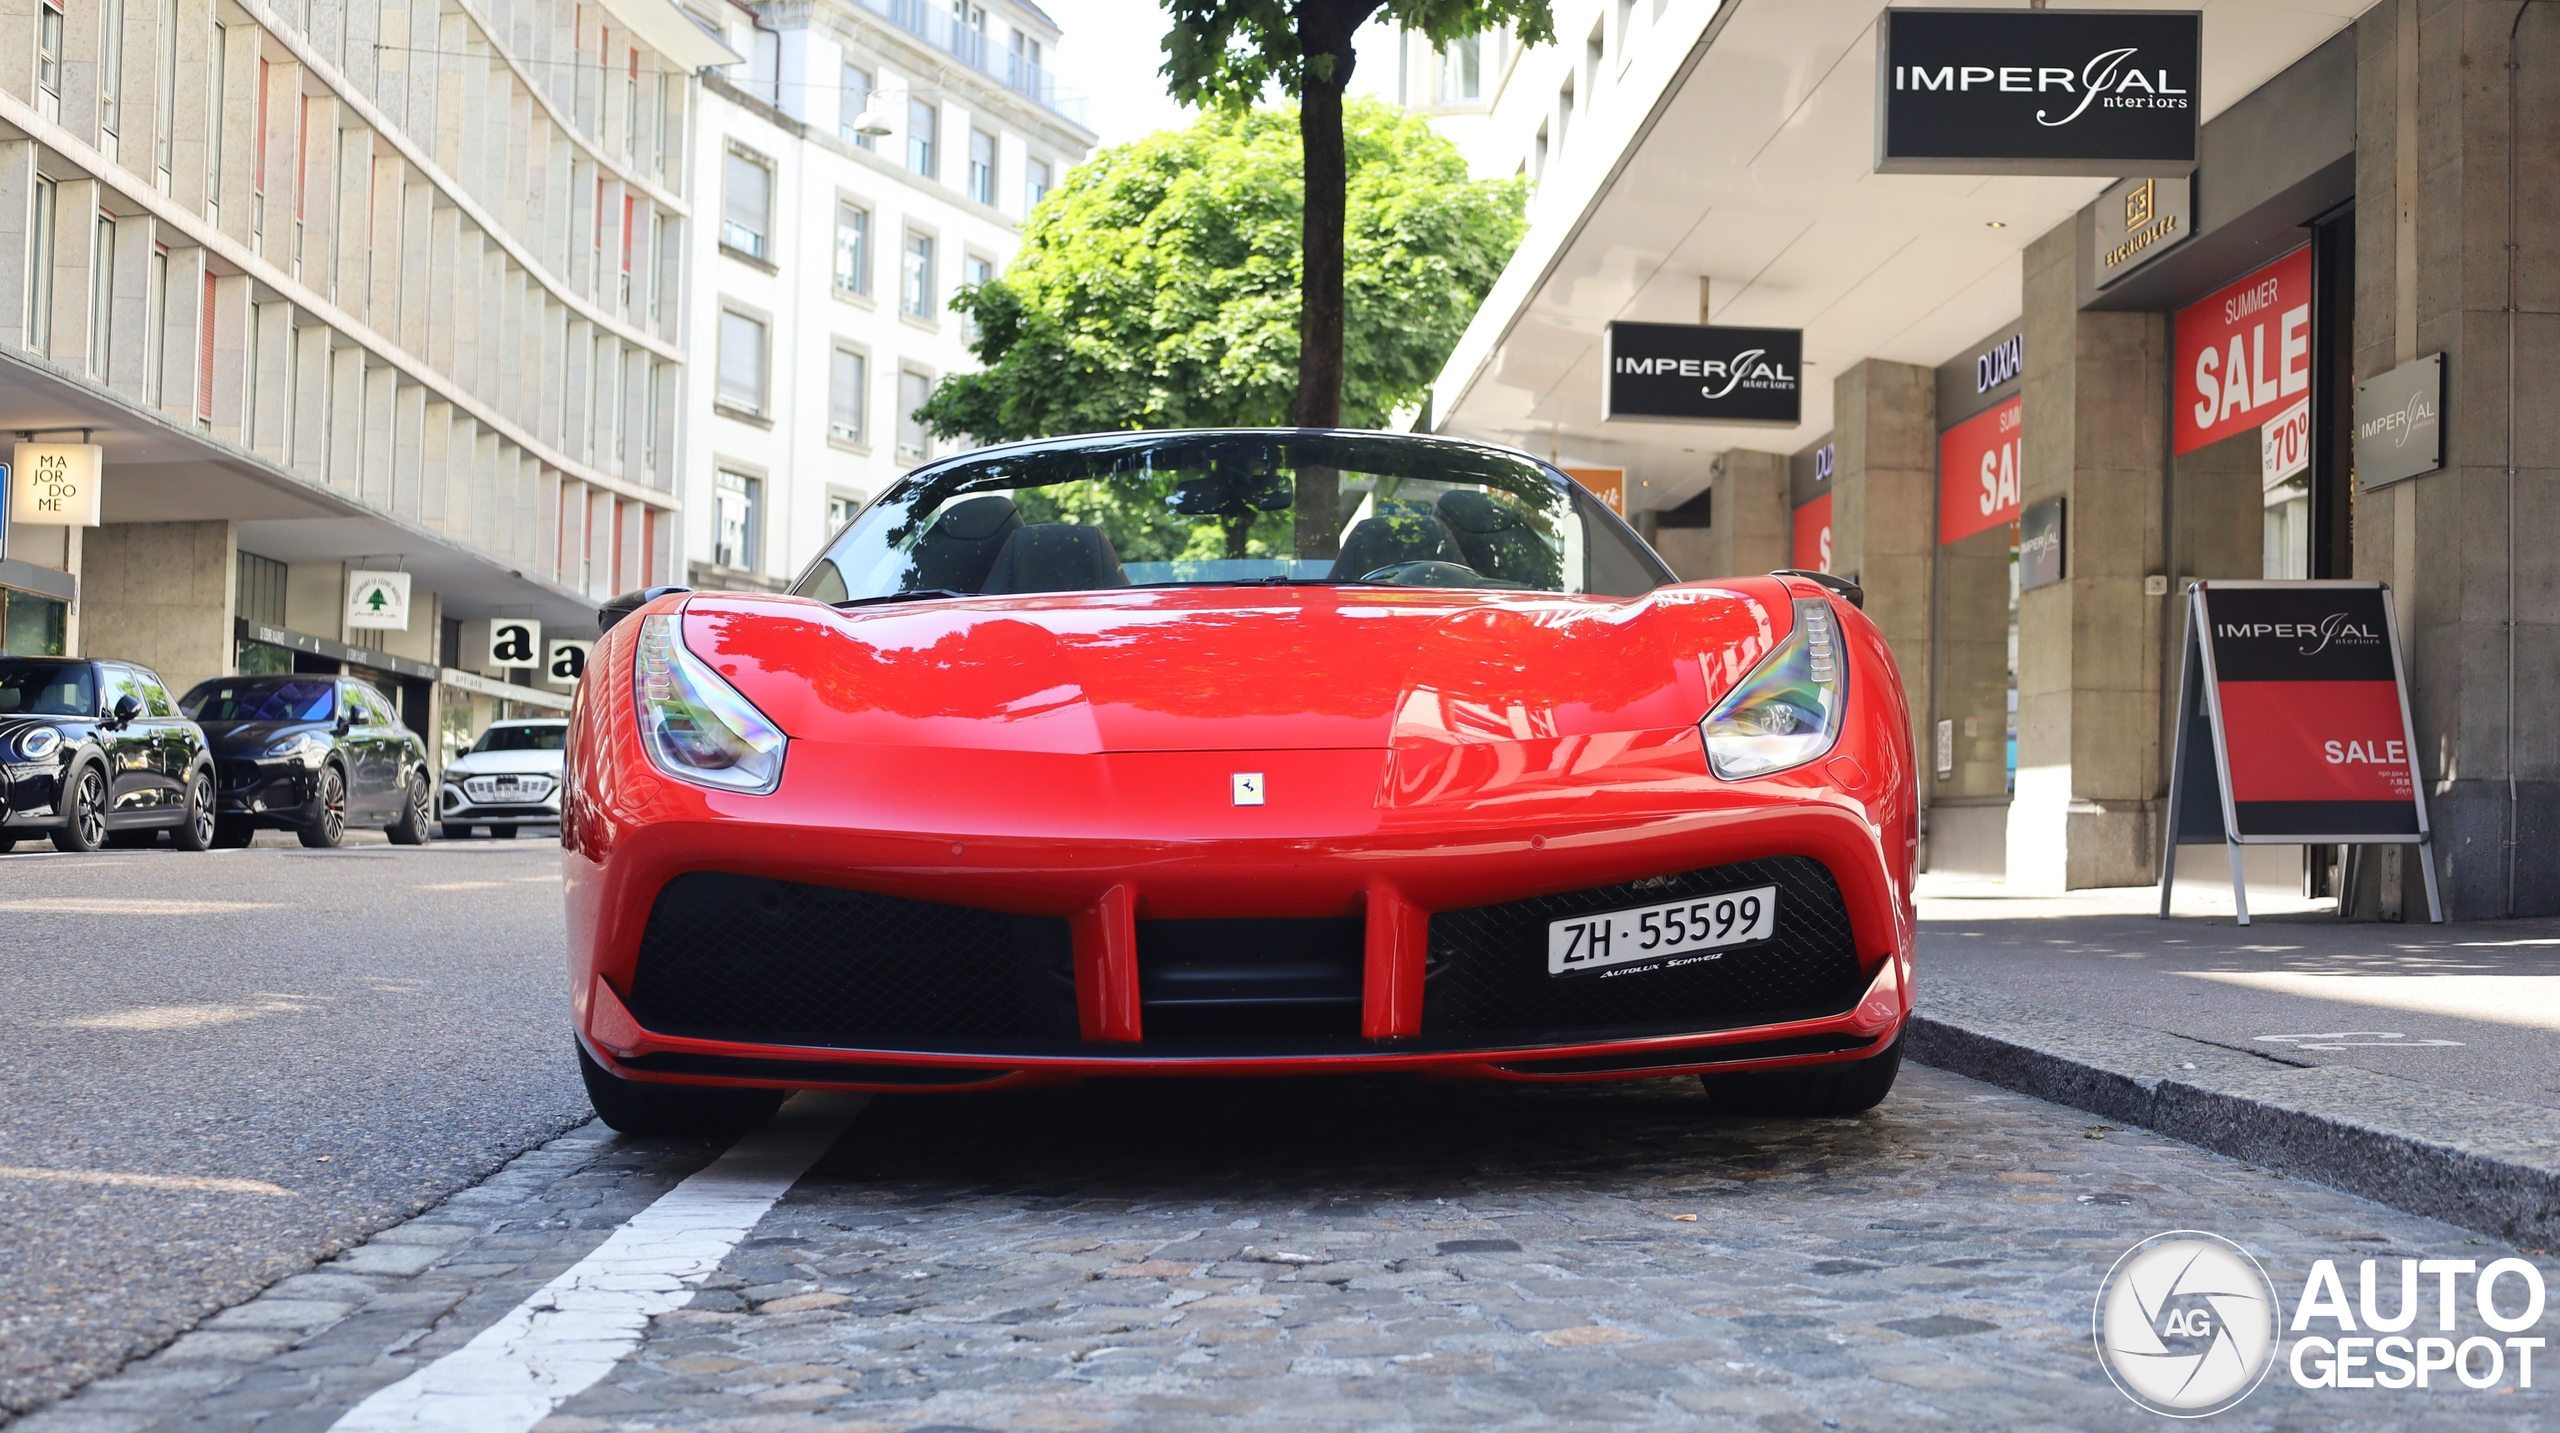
[(232, 835), (635, 1108), (330, 828), (1807, 1091), (86, 830), (197, 832), (411, 828)]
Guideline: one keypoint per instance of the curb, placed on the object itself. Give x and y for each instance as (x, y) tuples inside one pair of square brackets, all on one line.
[(2486, 1164)]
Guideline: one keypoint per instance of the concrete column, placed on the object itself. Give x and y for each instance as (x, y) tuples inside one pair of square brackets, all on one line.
[(1884, 504), (1747, 528), (160, 593), (2089, 647)]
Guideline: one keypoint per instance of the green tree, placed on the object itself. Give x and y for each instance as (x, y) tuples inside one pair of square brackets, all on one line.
[(1158, 286)]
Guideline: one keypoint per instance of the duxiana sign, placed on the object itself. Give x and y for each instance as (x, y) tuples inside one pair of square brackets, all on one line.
[(1702, 374), (2096, 92)]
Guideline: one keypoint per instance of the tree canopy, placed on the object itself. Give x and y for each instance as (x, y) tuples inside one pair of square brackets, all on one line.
[(1158, 286)]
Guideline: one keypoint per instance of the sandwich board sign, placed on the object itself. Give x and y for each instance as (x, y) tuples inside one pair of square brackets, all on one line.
[(2293, 727)]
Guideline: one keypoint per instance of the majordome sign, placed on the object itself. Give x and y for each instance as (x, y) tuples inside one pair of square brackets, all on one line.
[(2096, 92)]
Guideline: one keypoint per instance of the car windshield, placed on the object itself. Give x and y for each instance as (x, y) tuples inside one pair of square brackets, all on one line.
[(1181, 509), (48, 689), (262, 699), (522, 738)]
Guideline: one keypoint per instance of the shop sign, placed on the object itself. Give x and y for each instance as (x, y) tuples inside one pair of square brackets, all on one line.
[(2136, 221), (1694, 372), (1811, 550), (2293, 724), (568, 662), (378, 601), (2284, 444), (2400, 423), (1607, 484), (515, 642), (2096, 92), (2001, 363), (2040, 545), (56, 484), (1978, 472), (2244, 354)]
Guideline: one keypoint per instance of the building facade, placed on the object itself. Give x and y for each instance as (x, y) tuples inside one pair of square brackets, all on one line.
[(1982, 349), (344, 285), (823, 281)]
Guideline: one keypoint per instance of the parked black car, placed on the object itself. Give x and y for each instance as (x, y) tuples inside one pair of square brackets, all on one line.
[(95, 751), (311, 754)]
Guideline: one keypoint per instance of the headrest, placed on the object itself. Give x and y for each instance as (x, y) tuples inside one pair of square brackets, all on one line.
[(974, 519), (1477, 512)]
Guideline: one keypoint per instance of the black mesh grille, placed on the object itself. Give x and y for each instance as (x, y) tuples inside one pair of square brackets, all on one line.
[(237, 775), (1488, 966), (746, 958)]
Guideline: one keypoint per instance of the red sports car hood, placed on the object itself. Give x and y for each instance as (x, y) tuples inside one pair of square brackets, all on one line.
[(1205, 669)]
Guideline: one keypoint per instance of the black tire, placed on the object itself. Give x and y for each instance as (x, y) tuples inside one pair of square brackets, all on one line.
[(410, 829), (330, 828), (8, 844), (87, 828), (197, 832), (1807, 1091), (635, 1108), (502, 833), (232, 835), (452, 831)]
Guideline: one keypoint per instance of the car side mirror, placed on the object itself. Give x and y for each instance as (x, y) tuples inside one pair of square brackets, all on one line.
[(127, 708), (346, 722)]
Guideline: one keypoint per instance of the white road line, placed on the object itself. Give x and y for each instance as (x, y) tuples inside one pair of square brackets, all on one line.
[(558, 1343)]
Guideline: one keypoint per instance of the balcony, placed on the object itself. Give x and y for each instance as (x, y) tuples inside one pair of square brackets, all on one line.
[(930, 22)]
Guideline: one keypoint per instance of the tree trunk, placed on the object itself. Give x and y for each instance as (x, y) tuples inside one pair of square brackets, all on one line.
[(1319, 399)]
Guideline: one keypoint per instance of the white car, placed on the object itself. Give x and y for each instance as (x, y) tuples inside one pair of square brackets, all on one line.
[(510, 775)]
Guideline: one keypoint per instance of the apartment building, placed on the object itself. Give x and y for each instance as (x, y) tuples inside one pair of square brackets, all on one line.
[(868, 161), (342, 285)]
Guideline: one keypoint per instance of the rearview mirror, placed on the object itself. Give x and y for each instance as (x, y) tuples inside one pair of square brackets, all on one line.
[(127, 708)]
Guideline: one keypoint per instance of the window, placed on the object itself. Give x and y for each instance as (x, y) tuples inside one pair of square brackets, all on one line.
[(1462, 71), (1035, 184), (1026, 53), (631, 109), (213, 131), (853, 249), (258, 589), (102, 298), (856, 99), (973, 271), (164, 122), (155, 326), (840, 510), (922, 120), (49, 61), (40, 271), (155, 697), (915, 287), (733, 519), (982, 167), (914, 443), (32, 626), (746, 204), (846, 382), (742, 360), (110, 73)]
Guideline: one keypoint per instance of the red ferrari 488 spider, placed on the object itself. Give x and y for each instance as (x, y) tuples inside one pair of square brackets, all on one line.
[(1238, 752)]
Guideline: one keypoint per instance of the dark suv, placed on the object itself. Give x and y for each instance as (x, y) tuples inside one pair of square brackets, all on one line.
[(311, 754), (95, 751)]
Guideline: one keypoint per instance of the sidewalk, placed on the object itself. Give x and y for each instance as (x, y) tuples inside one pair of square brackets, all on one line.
[(2413, 1064)]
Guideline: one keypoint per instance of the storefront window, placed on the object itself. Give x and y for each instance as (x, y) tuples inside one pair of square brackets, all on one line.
[(32, 626), (263, 659)]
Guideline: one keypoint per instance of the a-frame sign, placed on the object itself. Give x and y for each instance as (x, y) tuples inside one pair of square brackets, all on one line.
[(2293, 727)]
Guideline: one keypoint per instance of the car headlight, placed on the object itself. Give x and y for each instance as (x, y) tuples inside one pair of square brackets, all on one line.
[(1789, 710), (307, 747), (38, 743), (696, 726)]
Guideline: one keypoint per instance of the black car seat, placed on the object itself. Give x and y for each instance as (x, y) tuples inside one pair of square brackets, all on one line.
[(957, 552), (1498, 541), (1401, 533), (1056, 557)]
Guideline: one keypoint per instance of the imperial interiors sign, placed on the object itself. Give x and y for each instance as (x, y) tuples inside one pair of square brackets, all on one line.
[(1702, 374), (2095, 92)]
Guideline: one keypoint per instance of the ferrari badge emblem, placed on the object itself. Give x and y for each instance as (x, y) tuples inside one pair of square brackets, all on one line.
[(1248, 788)]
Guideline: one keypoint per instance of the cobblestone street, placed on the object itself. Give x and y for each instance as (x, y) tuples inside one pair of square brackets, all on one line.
[(1288, 1255)]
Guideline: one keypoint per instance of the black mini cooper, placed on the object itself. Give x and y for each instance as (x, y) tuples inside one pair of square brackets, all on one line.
[(96, 751)]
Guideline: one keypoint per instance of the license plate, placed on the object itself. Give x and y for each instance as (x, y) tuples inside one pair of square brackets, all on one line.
[(1674, 933)]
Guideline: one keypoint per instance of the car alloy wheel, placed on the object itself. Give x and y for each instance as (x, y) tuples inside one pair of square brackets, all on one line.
[(86, 830), (330, 828), (196, 834)]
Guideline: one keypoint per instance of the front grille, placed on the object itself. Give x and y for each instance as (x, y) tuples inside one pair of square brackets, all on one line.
[(1487, 971), (485, 790), (747, 958), (1255, 977), (237, 775)]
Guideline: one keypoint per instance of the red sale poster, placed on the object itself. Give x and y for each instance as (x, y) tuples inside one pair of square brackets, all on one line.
[(2244, 354), (1812, 546), (1978, 472)]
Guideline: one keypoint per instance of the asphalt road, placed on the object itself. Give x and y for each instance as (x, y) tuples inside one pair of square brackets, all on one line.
[(216, 1068)]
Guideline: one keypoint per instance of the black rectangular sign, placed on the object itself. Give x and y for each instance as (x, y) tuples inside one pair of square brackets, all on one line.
[(2096, 92), (1697, 373)]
